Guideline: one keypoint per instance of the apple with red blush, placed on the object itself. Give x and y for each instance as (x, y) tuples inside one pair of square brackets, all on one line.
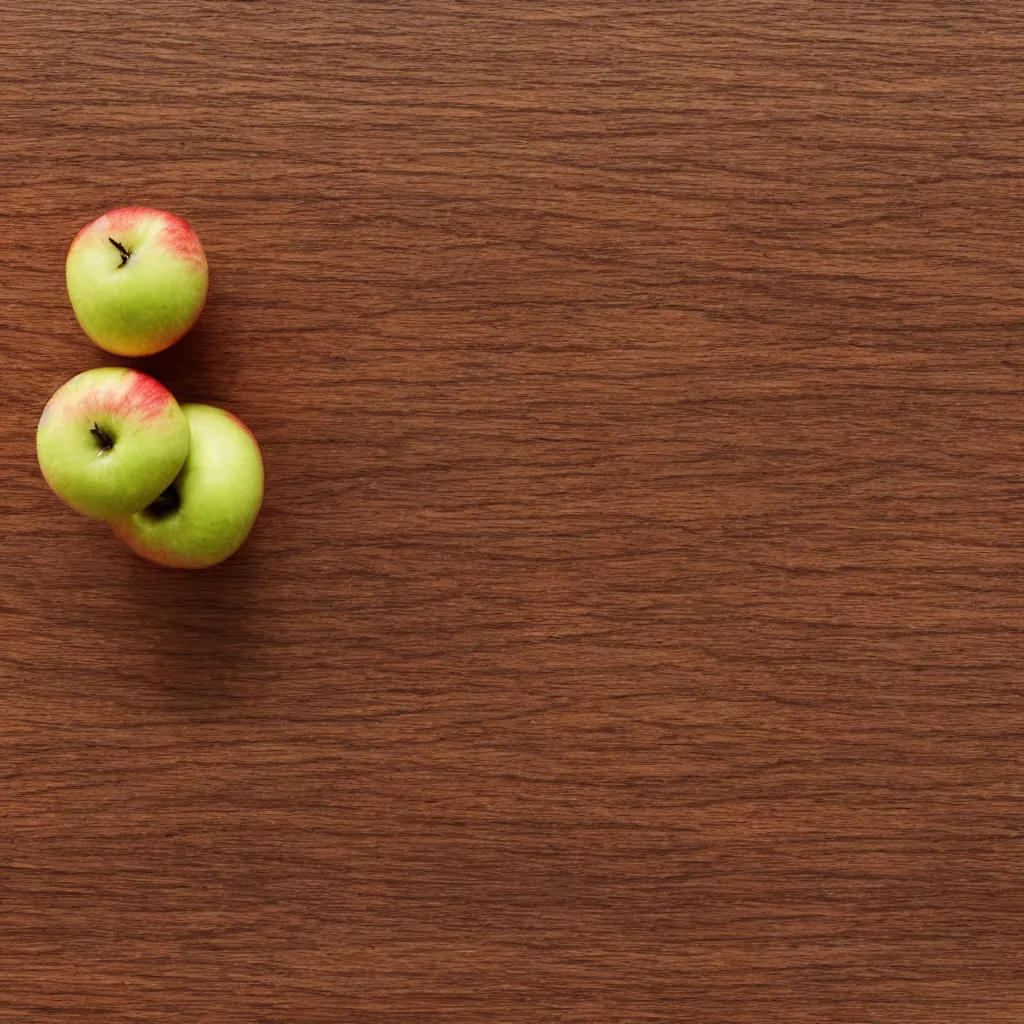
[(207, 511), (137, 279), (110, 441)]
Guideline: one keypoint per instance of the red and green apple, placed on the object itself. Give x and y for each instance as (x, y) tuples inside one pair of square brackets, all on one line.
[(137, 279), (207, 512), (110, 441)]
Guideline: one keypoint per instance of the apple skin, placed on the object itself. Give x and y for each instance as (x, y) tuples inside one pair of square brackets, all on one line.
[(147, 433), (137, 304), (208, 511)]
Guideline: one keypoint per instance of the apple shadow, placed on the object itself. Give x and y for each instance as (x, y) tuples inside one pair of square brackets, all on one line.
[(196, 637), (190, 368), (199, 632)]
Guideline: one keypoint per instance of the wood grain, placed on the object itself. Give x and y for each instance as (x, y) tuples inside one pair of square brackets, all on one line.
[(633, 628)]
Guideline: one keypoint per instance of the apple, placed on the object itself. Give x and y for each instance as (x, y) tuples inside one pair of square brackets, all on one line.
[(208, 511), (137, 279), (110, 441)]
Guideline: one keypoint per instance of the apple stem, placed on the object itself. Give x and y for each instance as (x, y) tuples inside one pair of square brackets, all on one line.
[(105, 440), (121, 249)]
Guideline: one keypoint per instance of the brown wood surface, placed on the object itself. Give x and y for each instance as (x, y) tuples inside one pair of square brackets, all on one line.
[(632, 629)]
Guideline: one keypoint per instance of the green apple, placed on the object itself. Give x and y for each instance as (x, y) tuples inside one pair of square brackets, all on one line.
[(208, 511), (137, 279), (110, 441)]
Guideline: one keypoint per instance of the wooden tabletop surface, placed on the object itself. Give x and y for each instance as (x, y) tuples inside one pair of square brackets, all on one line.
[(632, 631)]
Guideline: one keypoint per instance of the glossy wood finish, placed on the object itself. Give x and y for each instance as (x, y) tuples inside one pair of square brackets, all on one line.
[(632, 631)]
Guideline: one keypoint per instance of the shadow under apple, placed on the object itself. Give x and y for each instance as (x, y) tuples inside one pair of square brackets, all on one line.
[(199, 632), (191, 368)]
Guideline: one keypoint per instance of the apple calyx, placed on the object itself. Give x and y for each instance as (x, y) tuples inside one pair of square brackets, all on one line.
[(165, 504), (106, 442), (125, 253)]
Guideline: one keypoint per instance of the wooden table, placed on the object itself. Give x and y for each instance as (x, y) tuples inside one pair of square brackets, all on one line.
[(632, 631)]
